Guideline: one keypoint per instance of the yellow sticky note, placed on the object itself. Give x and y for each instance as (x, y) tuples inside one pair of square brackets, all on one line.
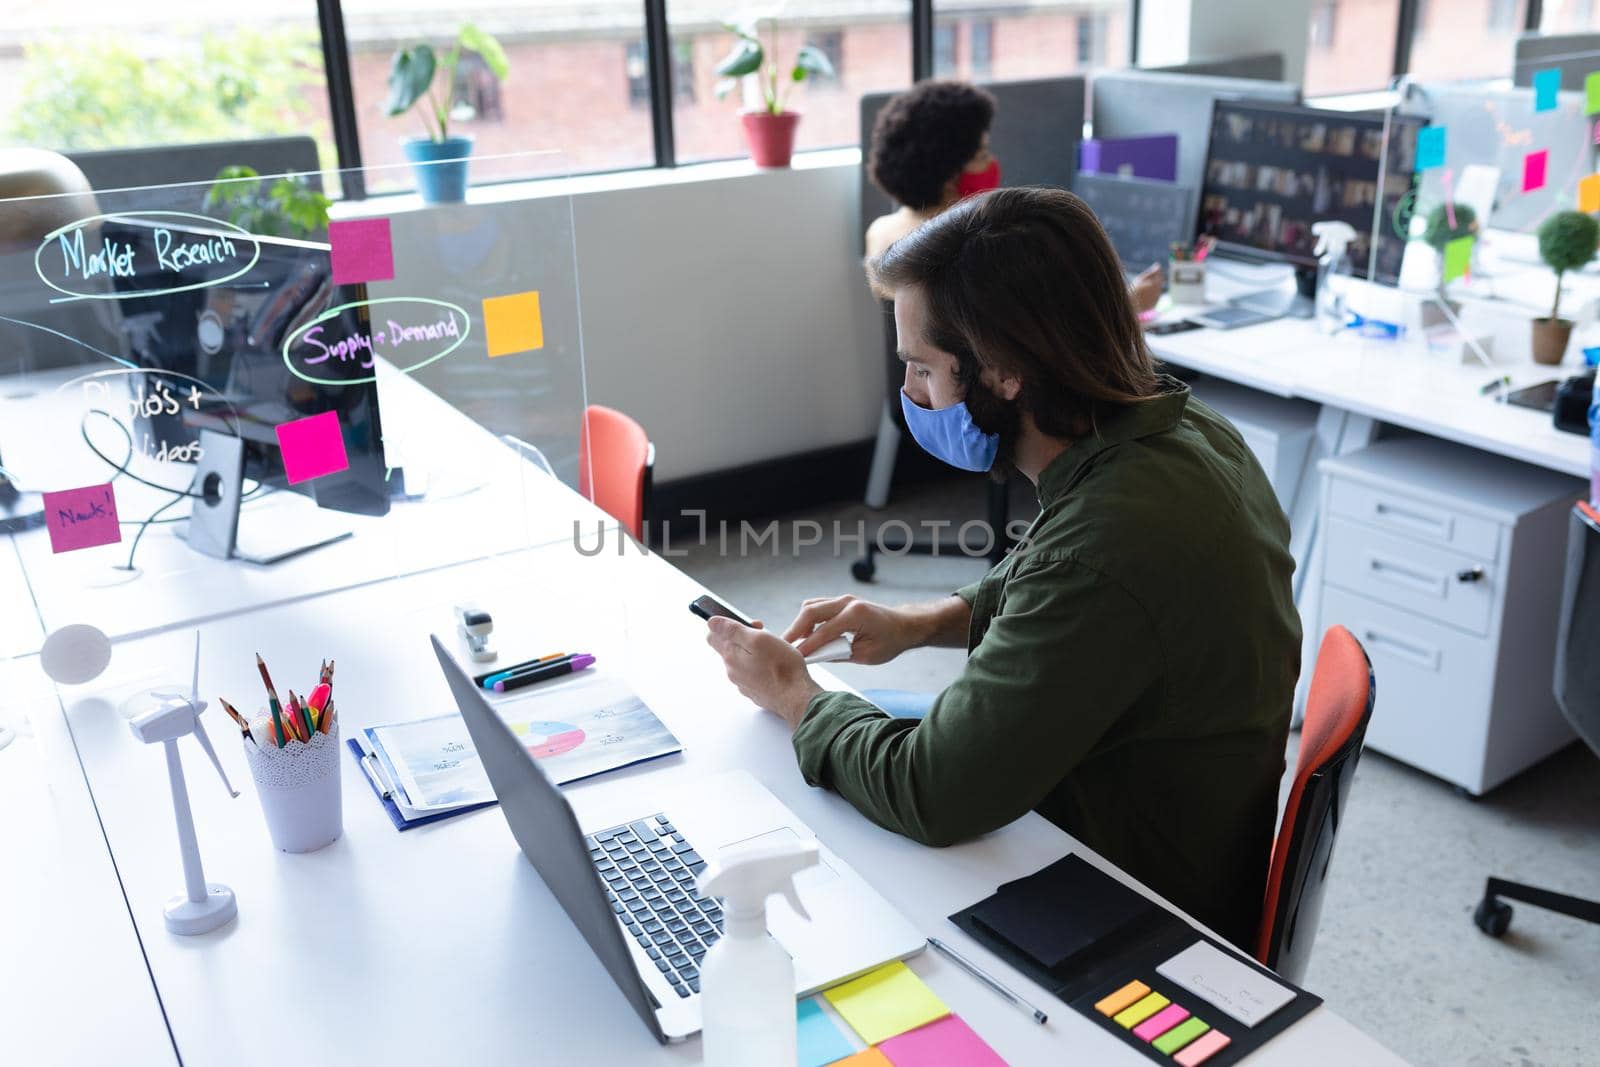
[(886, 1003), (512, 323), (1589, 193)]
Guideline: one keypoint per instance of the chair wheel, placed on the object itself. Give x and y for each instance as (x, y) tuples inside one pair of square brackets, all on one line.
[(1492, 916), (863, 570)]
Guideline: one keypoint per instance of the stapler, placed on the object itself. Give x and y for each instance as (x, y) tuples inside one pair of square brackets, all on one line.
[(475, 626)]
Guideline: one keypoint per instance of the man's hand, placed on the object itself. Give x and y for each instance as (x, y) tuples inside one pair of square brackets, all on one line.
[(765, 668), (881, 633)]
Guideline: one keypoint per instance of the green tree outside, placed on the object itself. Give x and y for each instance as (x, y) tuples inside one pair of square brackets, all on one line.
[(105, 92)]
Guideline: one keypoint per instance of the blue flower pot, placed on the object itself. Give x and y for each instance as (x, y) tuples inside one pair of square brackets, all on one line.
[(441, 168)]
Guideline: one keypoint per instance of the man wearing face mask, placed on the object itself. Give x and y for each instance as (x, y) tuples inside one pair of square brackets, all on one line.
[(930, 149), (1131, 665)]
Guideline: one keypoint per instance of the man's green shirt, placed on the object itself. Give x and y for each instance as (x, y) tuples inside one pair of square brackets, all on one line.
[(1129, 676)]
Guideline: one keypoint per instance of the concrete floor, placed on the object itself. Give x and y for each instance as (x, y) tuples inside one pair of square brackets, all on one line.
[(1397, 953)]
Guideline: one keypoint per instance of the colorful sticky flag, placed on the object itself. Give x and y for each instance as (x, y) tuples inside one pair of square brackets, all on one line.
[(1430, 147), (362, 251), (1534, 165), (1589, 193), (949, 1042), (82, 518), (512, 323), (1591, 93), (312, 447), (886, 1002), (1458, 258), (820, 1042), (1546, 84)]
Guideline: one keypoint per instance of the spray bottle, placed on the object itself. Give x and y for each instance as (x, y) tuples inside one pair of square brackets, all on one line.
[(1334, 272), (747, 979)]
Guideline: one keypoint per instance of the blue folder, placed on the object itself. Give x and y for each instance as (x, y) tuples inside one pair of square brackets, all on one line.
[(395, 817)]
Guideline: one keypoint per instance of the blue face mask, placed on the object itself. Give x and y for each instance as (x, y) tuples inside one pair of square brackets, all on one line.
[(949, 434)]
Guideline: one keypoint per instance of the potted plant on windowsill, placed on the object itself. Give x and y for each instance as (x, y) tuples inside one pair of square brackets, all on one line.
[(1567, 241), (769, 129), (440, 159)]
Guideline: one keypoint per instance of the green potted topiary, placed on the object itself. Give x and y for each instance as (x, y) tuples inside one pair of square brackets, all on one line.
[(1567, 241), (440, 159), (769, 129)]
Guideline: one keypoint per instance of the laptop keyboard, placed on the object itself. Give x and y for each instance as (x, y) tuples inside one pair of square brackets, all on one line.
[(649, 871)]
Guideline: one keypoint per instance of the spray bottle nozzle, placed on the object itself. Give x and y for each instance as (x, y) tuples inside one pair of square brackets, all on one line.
[(745, 875)]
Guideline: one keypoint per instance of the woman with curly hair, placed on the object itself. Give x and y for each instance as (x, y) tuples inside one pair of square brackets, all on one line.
[(930, 149)]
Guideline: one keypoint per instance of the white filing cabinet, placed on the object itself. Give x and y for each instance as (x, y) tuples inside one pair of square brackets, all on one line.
[(1446, 564), (1277, 430)]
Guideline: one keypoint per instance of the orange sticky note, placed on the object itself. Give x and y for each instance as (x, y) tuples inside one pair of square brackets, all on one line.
[(1589, 193), (869, 1058), (512, 323)]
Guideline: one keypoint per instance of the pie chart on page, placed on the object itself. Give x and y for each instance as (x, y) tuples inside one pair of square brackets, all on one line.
[(543, 739)]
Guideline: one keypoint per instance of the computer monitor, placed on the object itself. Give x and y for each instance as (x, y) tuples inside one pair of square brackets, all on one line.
[(228, 333), (1271, 172), (1577, 55)]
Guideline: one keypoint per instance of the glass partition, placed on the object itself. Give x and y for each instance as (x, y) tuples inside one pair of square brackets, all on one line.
[(221, 395)]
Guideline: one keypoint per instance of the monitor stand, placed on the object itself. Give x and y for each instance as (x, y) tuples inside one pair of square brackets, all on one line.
[(213, 528)]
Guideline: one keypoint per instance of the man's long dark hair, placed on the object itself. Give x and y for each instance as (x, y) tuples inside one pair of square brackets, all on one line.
[(1025, 281)]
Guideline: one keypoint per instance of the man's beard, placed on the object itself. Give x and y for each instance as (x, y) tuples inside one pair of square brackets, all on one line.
[(991, 414)]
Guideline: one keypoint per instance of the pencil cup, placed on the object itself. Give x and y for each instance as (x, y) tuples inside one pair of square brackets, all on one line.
[(1186, 281), (299, 788)]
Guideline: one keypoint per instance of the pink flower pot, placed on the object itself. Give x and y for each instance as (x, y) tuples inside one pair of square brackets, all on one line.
[(770, 137)]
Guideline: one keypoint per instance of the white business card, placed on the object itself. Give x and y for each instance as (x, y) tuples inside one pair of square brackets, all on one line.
[(1227, 982)]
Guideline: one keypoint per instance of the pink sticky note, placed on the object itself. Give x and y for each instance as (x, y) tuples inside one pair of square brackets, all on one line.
[(361, 251), (949, 1042), (1533, 168), (312, 447), (1160, 1022), (82, 518)]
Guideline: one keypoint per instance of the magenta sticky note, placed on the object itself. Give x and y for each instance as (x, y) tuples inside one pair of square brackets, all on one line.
[(1160, 1022), (312, 446), (361, 251), (82, 518), (947, 1042), (1533, 168)]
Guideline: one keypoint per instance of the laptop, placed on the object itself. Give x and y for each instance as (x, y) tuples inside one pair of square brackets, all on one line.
[(626, 876)]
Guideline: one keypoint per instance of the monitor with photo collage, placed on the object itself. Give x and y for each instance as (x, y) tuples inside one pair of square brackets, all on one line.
[(1273, 171)]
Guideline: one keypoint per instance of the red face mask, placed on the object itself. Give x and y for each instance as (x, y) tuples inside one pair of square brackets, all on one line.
[(971, 183)]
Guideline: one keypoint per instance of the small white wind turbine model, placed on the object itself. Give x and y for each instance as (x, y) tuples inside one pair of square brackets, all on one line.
[(166, 717)]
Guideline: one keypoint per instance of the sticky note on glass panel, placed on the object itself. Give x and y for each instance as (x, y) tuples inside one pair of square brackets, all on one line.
[(1534, 165), (1546, 84), (1430, 147), (82, 518), (512, 323), (1591, 93), (362, 251), (1458, 258), (312, 447), (1589, 193)]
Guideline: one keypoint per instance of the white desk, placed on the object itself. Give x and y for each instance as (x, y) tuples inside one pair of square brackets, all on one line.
[(21, 632), (442, 944)]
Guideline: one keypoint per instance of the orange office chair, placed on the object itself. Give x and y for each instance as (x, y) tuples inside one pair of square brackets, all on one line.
[(615, 463), (1337, 712)]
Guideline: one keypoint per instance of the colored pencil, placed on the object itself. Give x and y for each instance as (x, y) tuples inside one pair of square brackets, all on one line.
[(272, 700), (244, 723)]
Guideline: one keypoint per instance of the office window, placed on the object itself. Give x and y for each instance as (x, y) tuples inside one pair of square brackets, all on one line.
[(1465, 39), (1351, 45), (944, 49), (980, 47), (569, 89), (639, 74), (188, 71), (1043, 39), (867, 41)]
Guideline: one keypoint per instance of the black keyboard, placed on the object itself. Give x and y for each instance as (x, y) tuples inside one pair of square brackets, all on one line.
[(649, 871)]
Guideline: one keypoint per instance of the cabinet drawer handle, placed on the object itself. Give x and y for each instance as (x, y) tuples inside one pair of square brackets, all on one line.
[(1400, 574), (1433, 524), (1423, 656), (1471, 574)]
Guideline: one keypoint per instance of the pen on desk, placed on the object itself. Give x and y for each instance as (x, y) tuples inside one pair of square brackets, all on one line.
[(971, 968), (523, 668), (1498, 383), (544, 673), (487, 679)]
